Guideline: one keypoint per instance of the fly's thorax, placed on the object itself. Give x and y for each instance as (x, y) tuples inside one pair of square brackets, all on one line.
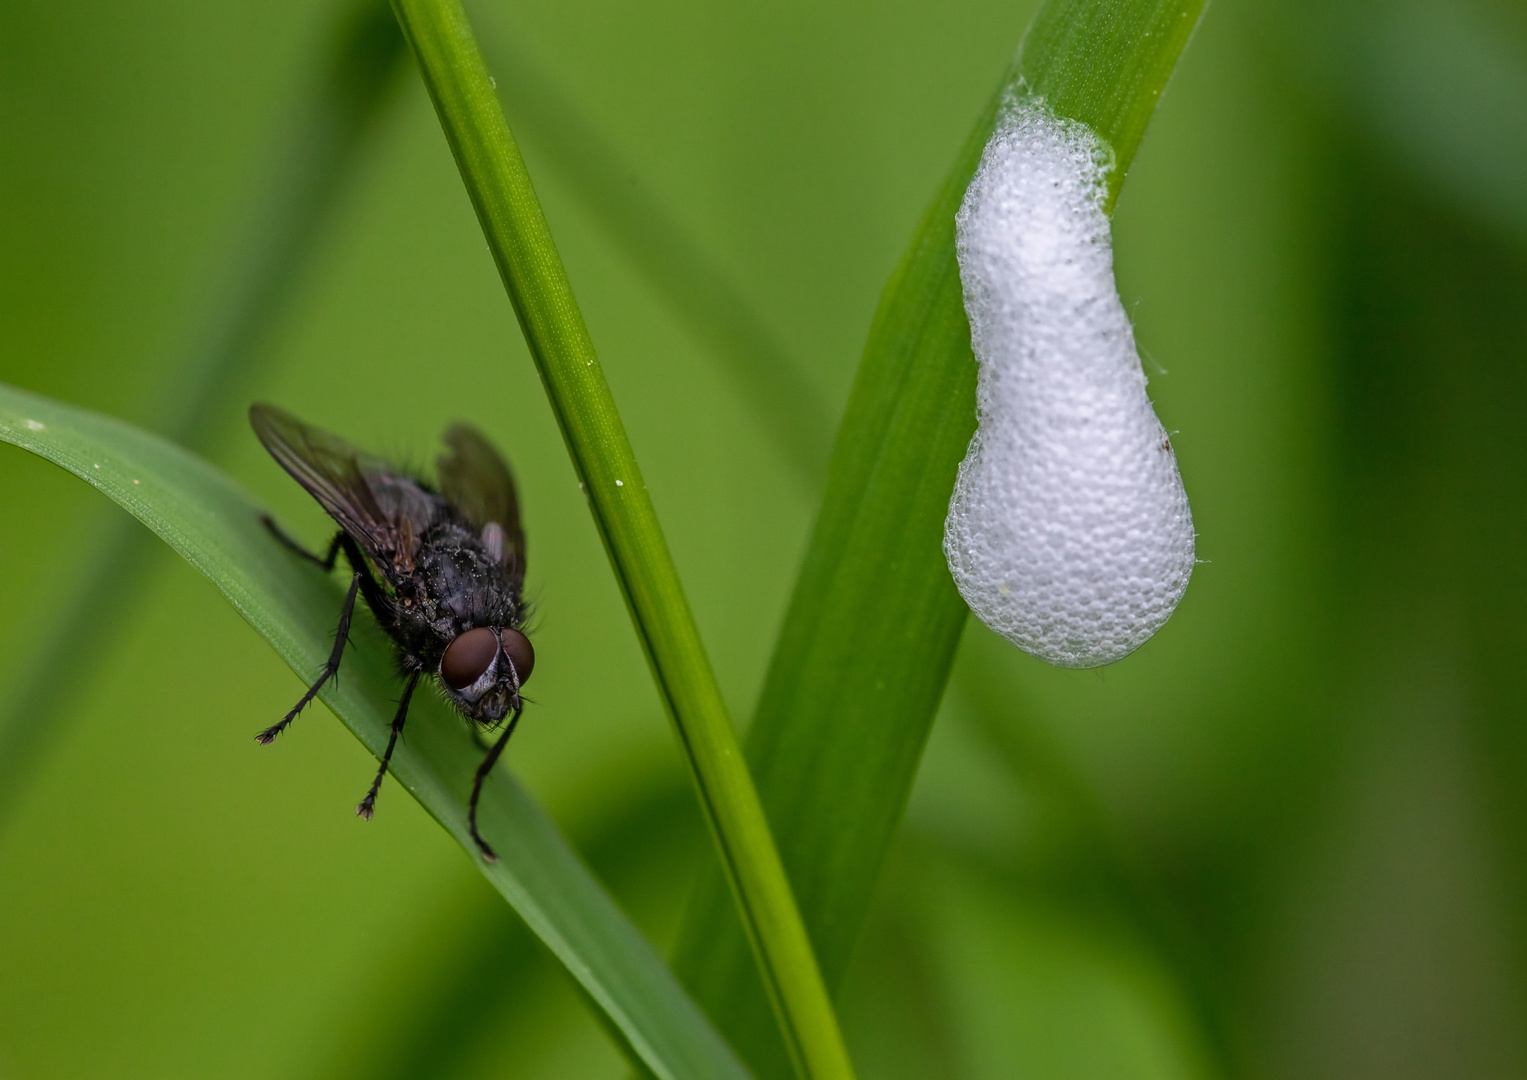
[(418, 625), (468, 586)]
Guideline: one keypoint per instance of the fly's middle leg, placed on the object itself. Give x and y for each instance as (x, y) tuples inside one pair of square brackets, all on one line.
[(368, 804)]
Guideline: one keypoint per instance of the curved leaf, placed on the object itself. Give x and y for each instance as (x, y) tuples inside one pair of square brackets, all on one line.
[(215, 527), (867, 644)]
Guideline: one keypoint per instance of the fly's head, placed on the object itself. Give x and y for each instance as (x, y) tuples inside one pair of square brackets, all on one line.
[(483, 669)]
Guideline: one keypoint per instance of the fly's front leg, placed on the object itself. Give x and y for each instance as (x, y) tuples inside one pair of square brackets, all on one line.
[(368, 804), (482, 774), (341, 636)]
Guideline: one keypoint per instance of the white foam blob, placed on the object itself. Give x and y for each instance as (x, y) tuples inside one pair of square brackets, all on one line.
[(1069, 531)]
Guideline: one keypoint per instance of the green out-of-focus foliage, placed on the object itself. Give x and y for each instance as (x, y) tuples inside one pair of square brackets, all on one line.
[(306, 176), (214, 526), (1285, 839)]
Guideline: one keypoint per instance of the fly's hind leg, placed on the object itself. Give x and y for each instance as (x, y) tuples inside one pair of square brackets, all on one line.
[(329, 668), (368, 804), (482, 774), (326, 560)]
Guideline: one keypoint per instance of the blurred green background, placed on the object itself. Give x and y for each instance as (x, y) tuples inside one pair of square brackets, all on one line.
[(1288, 838)]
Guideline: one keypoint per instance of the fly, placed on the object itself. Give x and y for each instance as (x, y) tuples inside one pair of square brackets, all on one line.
[(442, 570)]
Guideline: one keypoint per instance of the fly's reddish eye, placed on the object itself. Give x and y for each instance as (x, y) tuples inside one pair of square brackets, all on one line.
[(521, 655), (468, 657)]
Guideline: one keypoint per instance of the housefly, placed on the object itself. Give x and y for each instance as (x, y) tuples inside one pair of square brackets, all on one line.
[(442, 569)]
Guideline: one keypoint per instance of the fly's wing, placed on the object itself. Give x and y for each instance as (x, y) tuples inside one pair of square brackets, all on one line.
[(480, 489), (385, 511)]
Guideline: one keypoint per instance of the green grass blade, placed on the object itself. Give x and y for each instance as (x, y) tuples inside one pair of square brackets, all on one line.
[(532, 271), (215, 527), (871, 632), (310, 166), (1106, 63)]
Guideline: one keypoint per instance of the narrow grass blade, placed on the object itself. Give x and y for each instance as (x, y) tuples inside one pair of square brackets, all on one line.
[(1105, 63), (533, 274), (216, 528), (870, 636), (311, 163)]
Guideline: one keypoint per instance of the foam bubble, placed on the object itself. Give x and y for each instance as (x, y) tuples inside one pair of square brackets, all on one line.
[(1069, 531)]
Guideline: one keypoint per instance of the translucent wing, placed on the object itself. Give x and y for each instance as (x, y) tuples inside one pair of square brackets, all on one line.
[(480, 488), (385, 511)]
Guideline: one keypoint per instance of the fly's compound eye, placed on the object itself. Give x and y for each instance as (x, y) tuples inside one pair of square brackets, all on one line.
[(468, 657), (521, 655)]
